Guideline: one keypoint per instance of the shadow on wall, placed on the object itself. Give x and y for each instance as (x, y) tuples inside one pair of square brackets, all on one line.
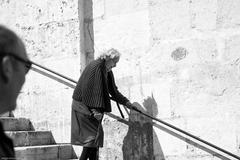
[(138, 143)]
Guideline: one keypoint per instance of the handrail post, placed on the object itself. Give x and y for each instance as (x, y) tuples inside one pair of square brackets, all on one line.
[(85, 13)]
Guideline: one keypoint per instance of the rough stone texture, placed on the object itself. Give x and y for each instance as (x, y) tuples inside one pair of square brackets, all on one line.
[(50, 30), (203, 14), (49, 152), (31, 138), (114, 133), (165, 18), (30, 144), (228, 14), (138, 143), (184, 54), (16, 124)]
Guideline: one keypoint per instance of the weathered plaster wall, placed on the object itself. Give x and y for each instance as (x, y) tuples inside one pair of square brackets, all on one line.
[(185, 55), (50, 30)]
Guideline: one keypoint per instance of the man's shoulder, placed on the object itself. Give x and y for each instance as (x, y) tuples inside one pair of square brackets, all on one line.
[(6, 145)]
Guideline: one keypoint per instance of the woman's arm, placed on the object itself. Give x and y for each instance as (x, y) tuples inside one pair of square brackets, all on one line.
[(113, 90)]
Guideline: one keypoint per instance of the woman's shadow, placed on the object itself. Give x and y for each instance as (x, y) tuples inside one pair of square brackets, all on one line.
[(141, 142)]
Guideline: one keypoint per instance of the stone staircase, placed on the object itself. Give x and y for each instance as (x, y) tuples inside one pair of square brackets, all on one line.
[(34, 145)]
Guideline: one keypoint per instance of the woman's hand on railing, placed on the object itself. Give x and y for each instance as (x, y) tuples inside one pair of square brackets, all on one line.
[(131, 106)]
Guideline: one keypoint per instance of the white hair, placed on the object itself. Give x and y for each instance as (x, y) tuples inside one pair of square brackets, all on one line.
[(111, 53)]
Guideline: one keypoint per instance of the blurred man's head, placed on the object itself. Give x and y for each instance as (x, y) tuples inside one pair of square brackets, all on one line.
[(14, 65)]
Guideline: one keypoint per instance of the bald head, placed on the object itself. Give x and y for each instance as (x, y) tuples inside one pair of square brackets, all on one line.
[(8, 40), (12, 71)]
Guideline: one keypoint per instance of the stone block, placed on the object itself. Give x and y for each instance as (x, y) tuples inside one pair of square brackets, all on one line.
[(121, 31), (169, 19), (66, 152), (16, 124), (37, 12), (166, 144), (193, 157), (50, 152), (228, 13), (112, 8), (203, 14), (55, 39), (219, 131), (31, 138), (167, 57), (8, 13), (231, 49), (114, 133)]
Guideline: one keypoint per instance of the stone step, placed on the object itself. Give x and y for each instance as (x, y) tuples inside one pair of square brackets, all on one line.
[(193, 157), (31, 138), (7, 114), (16, 124), (46, 152)]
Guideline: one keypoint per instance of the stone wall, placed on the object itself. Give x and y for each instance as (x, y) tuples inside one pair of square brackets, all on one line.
[(50, 30), (184, 55), (180, 62)]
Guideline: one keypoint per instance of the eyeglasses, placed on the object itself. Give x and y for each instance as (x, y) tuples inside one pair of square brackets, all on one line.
[(27, 63)]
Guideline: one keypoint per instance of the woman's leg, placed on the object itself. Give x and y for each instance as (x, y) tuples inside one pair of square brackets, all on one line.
[(85, 154), (93, 154), (89, 152)]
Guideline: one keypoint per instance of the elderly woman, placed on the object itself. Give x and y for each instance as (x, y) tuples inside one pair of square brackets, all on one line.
[(90, 101)]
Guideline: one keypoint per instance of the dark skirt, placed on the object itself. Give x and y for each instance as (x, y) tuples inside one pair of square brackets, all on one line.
[(86, 130)]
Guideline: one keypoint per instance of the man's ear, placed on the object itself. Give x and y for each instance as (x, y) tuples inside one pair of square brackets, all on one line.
[(6, 69)]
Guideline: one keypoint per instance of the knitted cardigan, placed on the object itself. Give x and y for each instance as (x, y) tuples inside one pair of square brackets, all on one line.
[(94, 86)]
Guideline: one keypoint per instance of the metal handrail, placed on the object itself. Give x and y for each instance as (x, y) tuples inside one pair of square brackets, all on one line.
[(156, 119), (49, 70)]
